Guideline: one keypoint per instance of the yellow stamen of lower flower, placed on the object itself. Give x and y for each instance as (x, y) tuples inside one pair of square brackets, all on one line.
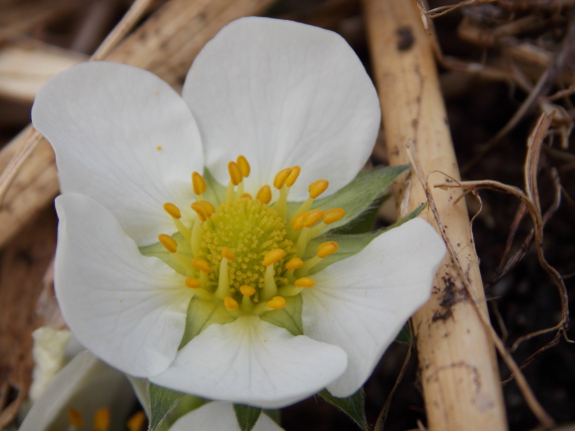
[(270, 287), (198, 184), (137, 421), (247, 290), (102, 419), (315, 189), (228, 253), (168, 242), (201, 264), (292, 177), (294, 263), (223, 289), (297, 221), (312, 218), (75, 418), (208, 207), (246, 196), (327, 248), (230, 303), (244, 166), (330, 216), (193, 283), (235, 173), (273, 256), (304, 282), (196, 236), (264, 194), (277, 302), (281, 177), (200, 211), (173, 210)]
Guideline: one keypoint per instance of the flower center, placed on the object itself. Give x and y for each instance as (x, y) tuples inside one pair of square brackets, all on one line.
[(248, 252)]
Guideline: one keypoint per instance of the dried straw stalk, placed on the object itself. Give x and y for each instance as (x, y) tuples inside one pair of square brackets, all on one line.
[(166, 45), (457, 359)]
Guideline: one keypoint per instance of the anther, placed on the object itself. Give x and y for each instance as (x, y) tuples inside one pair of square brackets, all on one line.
[(230, 303), (292, 177), (209, 208), (273, 256), (246, 196), (304, 282), (264, 194), (317, 188), (201, 264), (244, 166), (332, 215), (173, 210), (168, 242), (247, 290), (136, 422), (297, 221), (193, 283), (200, 210), (312, 218), (228, 253), (102, 419), (327, 248), (281, 177), (277, 302), (294, 263), (198, 183), (235, 173), (75, 418)]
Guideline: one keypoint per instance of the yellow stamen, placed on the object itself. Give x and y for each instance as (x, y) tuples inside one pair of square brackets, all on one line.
[(277, 302), (270, 287), (173, 210), (208, 207), (137, 421), (200, 211), (312, 218), (198, 183), (292, 177), (327, 248), (264, 194), (246, 196), (294, 263), (333, 215), (230, 303), (281, 177), (193, 283), (304, 282), (245, 169), (247, 290), (228, 253), (317, 188), (273, 256), (102, 419), (223, 288), (235, 173), (297, 221), (201, 264), (75, 418), (168, 242)]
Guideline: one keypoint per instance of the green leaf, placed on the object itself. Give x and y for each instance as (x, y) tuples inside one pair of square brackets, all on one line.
[(247, 416), (358, 195), (404, 335), (353, 406), (162, 402), (349, 244), (288, 317), (202, 314)]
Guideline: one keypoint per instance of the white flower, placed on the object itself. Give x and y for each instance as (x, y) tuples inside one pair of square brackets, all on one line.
[(219, 416), (277, 94)]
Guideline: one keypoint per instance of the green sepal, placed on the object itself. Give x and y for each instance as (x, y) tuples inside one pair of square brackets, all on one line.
[(350, 244), (247, 416), (202, 314), (288, 317), (404, 336), (353, 406), (162, 402), (159, 251), (365, 221), (215, 192), (358, 195)]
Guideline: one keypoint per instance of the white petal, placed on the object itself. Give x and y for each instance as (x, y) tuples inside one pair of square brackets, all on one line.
[(253, 362), (283, 94), (106, 122), (361, 303), (128, 309), (85, 384), (219, 416)]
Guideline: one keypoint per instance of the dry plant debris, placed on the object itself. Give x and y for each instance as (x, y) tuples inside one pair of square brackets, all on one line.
[(507, 70)]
